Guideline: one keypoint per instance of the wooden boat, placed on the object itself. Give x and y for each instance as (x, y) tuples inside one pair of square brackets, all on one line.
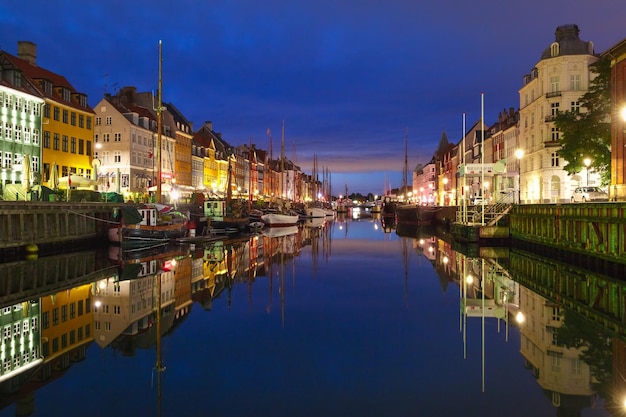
[(147, 224), (225, 214), (388, 208), (280, 220)]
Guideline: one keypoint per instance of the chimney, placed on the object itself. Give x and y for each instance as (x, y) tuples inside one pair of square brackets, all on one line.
[(27, 51), (209, 124)]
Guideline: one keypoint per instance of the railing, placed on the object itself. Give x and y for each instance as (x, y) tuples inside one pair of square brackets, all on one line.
[(494, 212), (553, 94)]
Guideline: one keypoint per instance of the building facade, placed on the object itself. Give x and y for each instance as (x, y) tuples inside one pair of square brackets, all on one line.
[(555, 84)]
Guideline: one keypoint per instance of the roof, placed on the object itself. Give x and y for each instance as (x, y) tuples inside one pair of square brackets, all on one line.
[(569, 43), (35, 73)]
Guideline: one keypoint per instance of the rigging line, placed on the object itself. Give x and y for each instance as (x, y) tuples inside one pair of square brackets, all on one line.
[(91, 217)]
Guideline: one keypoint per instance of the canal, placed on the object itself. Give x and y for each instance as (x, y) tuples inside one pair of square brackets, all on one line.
[(351, 318)]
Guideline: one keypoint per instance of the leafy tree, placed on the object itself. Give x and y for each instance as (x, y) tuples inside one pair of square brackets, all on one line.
[(595, 348), (587, 134)]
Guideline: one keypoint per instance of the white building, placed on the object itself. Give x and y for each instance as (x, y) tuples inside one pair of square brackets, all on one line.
[(555, 84)]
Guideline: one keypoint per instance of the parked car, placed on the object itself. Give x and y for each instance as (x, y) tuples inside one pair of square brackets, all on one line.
[(479, 201), (584, 194)]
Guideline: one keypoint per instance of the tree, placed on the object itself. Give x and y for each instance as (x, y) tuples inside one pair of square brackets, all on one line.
[(587, 134)]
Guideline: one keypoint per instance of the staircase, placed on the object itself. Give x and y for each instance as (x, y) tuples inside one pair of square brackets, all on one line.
[(494, 212)]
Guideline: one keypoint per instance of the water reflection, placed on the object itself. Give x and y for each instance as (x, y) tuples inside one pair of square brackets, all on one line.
[(571, 320), (568, 322)]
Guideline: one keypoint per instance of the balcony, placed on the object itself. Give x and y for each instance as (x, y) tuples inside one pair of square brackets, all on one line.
[(553, 94), (551, 143), (550, 118)]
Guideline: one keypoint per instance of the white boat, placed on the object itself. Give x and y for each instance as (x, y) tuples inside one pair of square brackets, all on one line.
[(277, 219)]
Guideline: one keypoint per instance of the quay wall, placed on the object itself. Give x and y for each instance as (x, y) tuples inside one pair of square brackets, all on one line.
[(590, 229), (25, 223)]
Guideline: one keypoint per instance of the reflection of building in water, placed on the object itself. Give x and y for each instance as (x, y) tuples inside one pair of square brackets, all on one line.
[(127, 307), (20, 351), (66, 327), (559, 371)]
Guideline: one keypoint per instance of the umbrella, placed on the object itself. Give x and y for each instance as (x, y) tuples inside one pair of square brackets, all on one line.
[(53, 181), (76, 181), (26, 174)]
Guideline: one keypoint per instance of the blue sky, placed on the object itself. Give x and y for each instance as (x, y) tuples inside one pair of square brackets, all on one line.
[(349, 78)]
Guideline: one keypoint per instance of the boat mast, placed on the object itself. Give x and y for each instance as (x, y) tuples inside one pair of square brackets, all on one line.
[(282, 162), (405, 173), (159, 112)]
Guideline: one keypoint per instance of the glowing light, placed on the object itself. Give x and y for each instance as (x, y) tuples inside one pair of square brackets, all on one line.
[(469, 279)]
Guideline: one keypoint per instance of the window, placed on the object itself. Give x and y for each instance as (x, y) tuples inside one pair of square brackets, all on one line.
[(555, 159), (65, 143), (64, 313), (118, 137), (8, 158), (109, 120), (46, 111), (81, 120), (55, 345), (81, 146), (98, 121), (554, 84), (555, 134), (117, 156), (65, 116), (88, 122), (575, 107), (80, 307), (8, 132), (73, 145), (73, 118), (64, 341), (87, 307), (56, 142), (45, 350), (72, 337), (554, 49), (72, 310), (80, 333), (55, 316), (554, 108), (106, 137), (87, 330), (88, 148), (574, 82)]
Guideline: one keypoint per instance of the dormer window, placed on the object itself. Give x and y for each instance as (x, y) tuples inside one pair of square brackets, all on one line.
[(67, 94), (554, 49), (47, 87), (17, 78)]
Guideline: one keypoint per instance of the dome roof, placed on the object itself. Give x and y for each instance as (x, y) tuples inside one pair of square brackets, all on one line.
[(566, 36)]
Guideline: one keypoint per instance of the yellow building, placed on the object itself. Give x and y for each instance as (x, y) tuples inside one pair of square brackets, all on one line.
[(67, 138)]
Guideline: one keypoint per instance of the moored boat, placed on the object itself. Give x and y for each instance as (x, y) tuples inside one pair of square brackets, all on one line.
[(279, 219), (147, 224)]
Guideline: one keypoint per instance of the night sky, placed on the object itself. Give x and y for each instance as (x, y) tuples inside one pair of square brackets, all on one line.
[(349, 78)]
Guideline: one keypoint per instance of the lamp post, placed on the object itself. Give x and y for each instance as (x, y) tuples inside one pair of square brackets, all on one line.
[(519, 154), (587, 162)]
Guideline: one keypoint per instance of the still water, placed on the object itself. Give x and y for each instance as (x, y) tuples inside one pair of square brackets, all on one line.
[(347, 319)]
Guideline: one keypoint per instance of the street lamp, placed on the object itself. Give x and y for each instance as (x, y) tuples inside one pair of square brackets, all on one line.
[(519, 154), (587, 162)]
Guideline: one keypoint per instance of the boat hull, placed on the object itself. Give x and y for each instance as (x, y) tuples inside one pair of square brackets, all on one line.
[(415, 214), (280, 220)]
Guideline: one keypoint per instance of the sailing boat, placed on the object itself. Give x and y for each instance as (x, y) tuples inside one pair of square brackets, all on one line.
[(226, 216), (284, 217), (408, 212), (150, 223)]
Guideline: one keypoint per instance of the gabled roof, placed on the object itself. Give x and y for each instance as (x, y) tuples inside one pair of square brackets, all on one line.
[(35, 73)]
